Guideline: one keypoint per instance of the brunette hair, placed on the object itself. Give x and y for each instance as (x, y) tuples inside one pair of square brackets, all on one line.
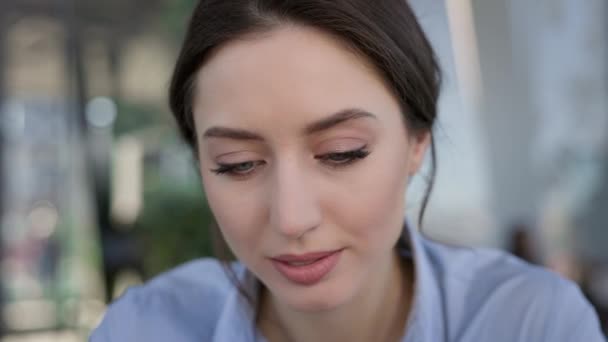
[(385, 32)]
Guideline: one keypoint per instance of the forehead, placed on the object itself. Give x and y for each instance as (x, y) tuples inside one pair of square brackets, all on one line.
[(290, 75)]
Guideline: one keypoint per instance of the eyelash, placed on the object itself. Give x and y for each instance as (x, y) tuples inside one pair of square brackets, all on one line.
[(230, 169), (345, 158), (350, 157)]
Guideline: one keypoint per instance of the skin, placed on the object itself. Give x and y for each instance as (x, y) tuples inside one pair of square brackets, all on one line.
[(281, 108)]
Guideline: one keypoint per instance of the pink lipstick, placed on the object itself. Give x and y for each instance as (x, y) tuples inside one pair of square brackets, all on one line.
[(306, 269)]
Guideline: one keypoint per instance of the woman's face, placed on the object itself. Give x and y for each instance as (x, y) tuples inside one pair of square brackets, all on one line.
[(303, 150)]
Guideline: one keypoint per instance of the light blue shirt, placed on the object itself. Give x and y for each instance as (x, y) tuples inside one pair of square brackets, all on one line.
[(461, 295)]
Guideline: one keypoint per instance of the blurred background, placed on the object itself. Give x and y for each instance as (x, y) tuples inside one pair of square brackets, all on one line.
[(97, 192)]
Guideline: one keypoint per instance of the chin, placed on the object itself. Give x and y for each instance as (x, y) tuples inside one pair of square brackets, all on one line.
[(324, 296)]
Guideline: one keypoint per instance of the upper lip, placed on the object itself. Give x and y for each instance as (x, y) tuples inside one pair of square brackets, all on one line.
[(303, 257)]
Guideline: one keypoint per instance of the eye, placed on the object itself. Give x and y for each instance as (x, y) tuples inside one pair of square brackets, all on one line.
[(338, 159), (238, 169)]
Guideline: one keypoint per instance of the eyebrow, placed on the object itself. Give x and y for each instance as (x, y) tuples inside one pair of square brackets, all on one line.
[(315, 127), (336, 119), (231, 133)]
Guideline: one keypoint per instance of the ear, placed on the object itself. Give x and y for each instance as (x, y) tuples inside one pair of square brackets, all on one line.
[(418, 145)]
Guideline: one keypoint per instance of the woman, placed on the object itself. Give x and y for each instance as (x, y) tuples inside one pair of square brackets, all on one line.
[(308, 119)]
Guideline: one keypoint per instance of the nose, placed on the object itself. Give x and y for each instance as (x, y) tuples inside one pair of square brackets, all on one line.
[(294, 209)]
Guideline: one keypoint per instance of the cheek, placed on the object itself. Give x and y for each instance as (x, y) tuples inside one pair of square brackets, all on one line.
[(369, 201), (237, 214)]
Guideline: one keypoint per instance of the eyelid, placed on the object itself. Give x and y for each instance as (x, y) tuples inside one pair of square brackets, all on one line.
[(236, 157), (340, 145)]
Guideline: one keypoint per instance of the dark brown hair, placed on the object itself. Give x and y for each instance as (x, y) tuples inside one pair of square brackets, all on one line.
[(385, 32)]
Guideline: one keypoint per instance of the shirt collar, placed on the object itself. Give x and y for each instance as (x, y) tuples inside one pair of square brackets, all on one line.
[(425, 324)]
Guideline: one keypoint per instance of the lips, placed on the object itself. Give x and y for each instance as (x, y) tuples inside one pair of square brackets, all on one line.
[(306, 269)]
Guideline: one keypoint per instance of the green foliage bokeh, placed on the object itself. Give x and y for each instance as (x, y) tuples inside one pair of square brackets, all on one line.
[(174, 225)]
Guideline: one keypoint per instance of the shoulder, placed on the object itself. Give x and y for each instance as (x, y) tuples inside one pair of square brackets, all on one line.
[(484, 286), (180, 304), (485, 268)]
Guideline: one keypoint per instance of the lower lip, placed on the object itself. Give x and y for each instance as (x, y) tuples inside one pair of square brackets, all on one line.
[(308, 274)]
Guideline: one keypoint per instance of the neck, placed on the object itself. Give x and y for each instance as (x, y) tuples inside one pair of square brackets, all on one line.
[(379, 312)]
